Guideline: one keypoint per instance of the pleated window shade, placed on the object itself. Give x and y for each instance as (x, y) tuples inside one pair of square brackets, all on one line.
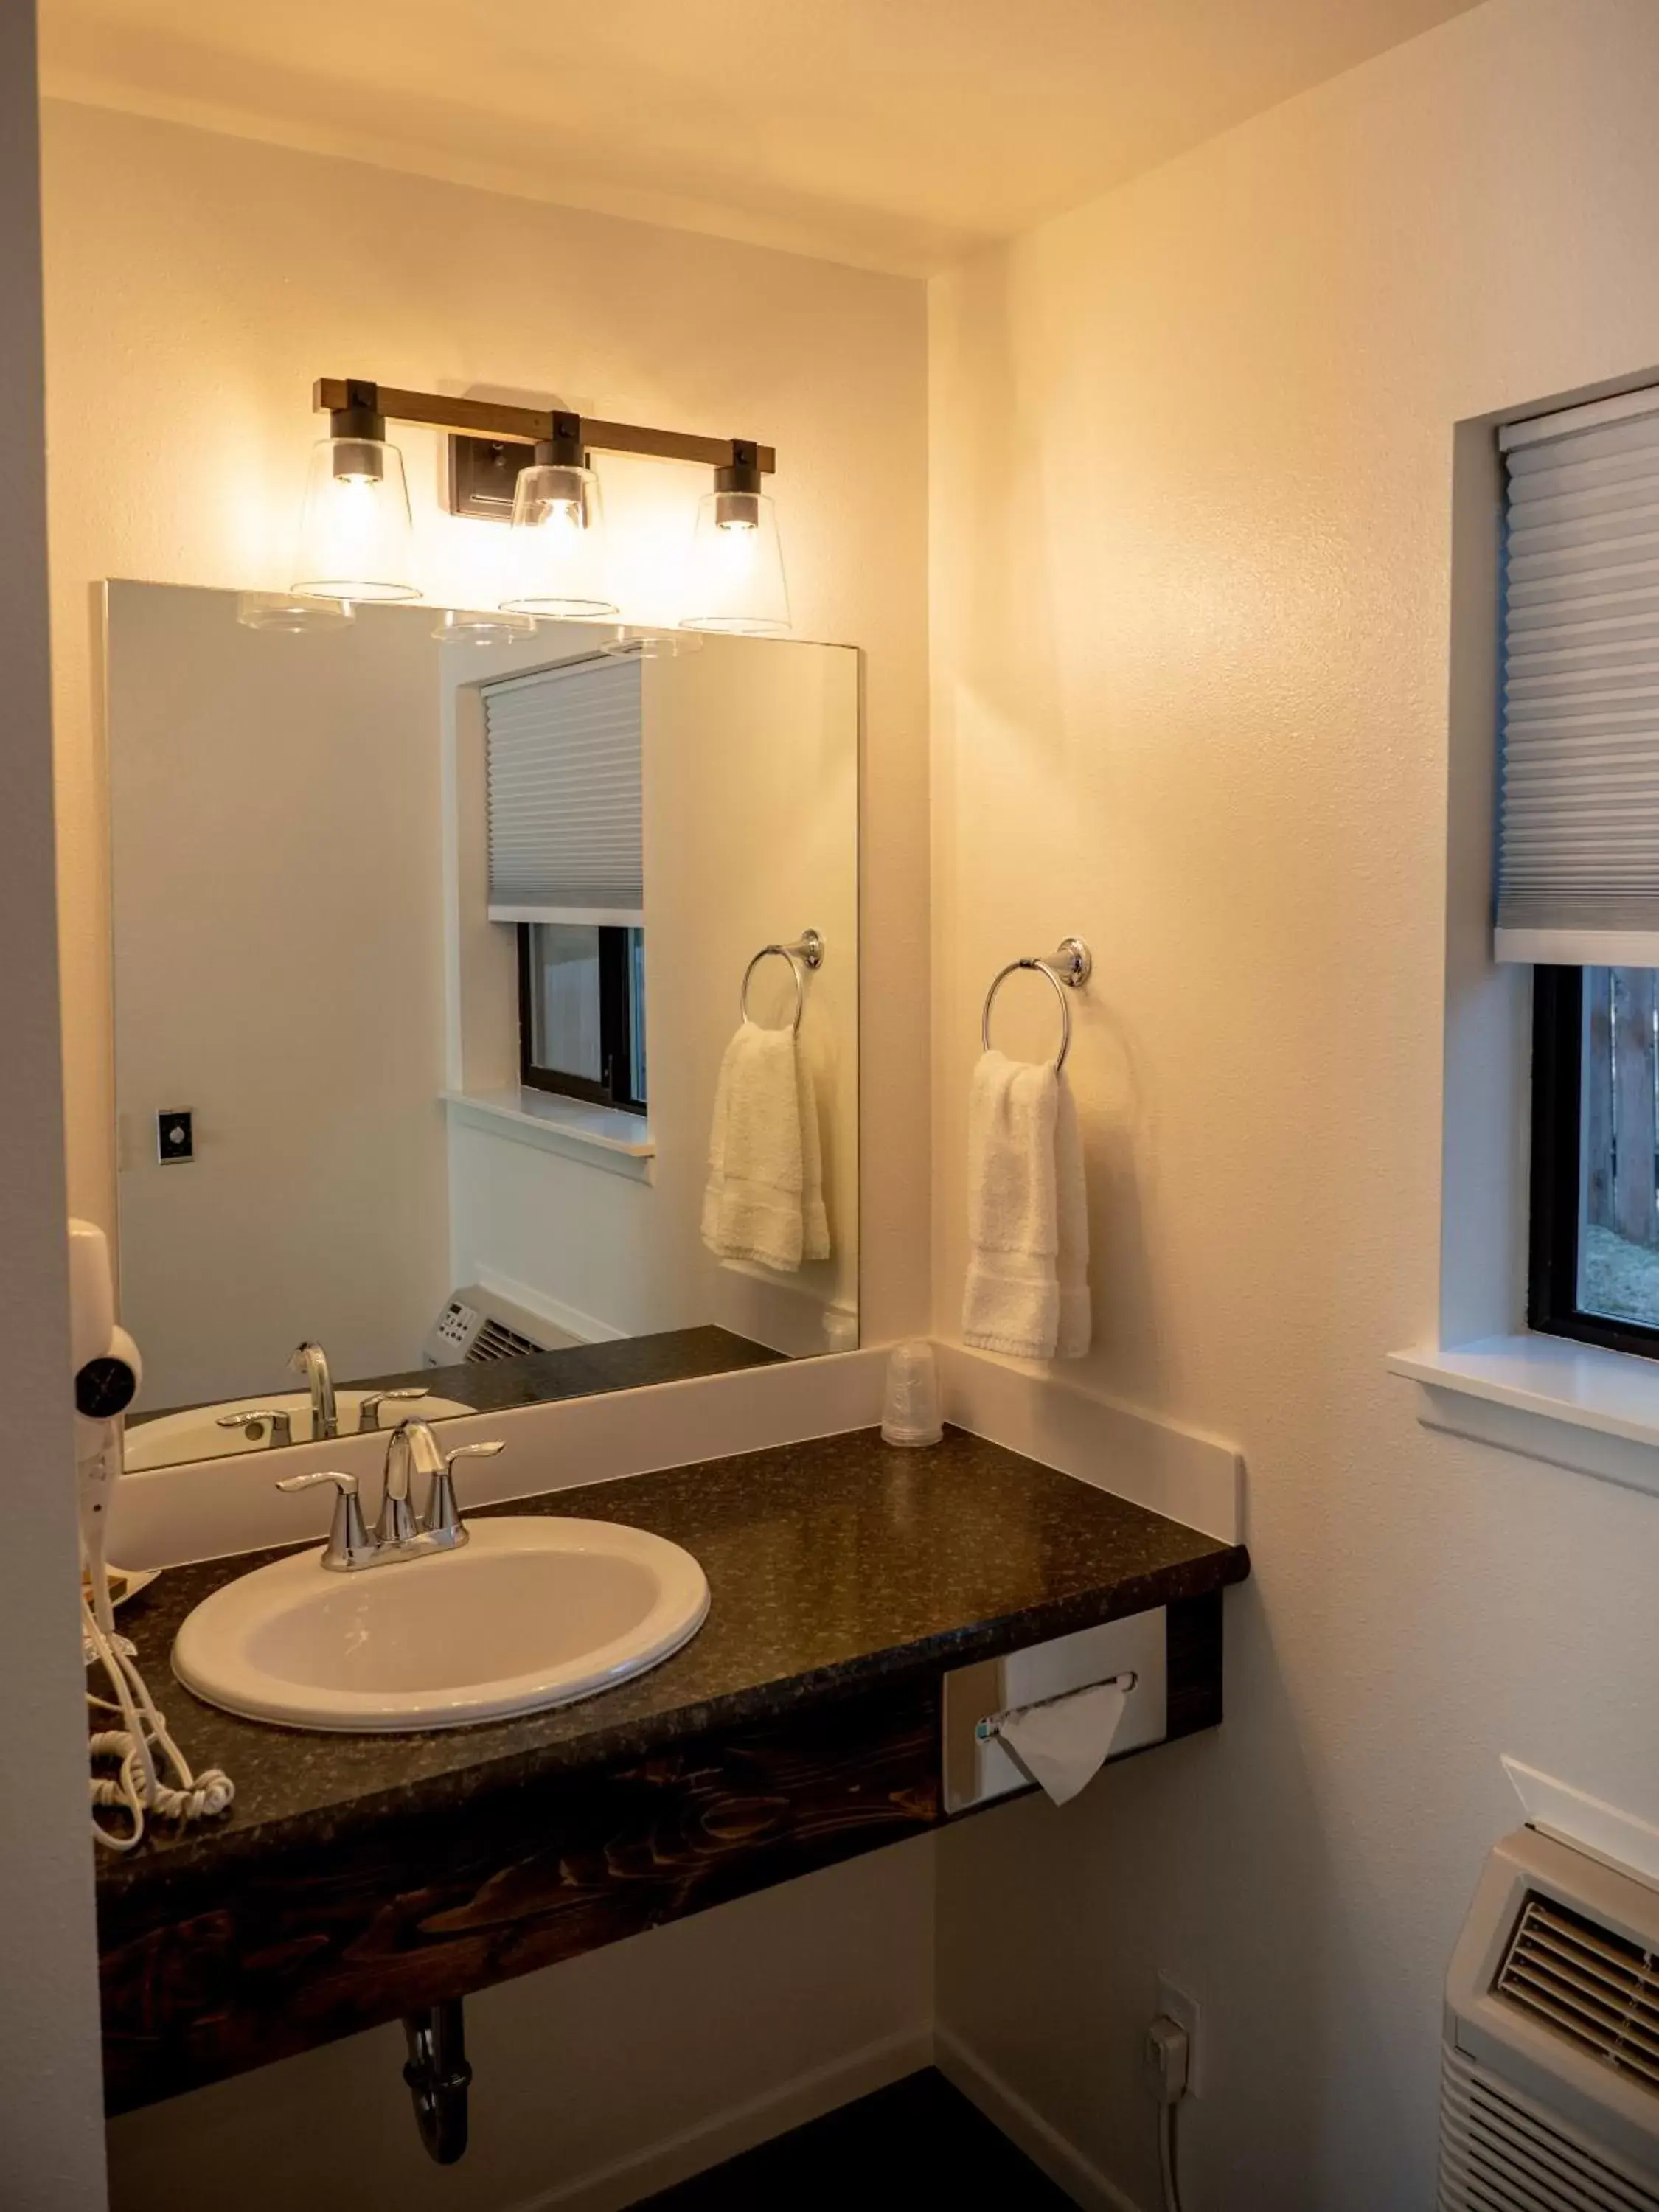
[(1578, 844), (565, 827)]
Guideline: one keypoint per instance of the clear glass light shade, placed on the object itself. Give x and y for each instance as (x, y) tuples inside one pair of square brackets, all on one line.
[(356, 540), (644, 642), (475, 626), (284, 611), (736, 580), (559, 565)]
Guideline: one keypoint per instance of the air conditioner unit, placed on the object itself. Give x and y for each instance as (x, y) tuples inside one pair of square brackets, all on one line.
[(1550, 2082), (478, 1324)]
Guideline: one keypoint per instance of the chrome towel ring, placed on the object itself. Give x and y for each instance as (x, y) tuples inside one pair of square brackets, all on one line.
[(1067, 970), (805, 950)]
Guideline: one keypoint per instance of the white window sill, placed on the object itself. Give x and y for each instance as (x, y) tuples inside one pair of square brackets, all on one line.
[(602, 1136), (1574, 1404)]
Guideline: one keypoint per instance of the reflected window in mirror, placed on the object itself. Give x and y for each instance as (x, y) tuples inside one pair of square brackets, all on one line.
[(581, 1011)]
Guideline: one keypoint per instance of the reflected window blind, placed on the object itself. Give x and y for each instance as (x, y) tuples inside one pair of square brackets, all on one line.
[(563, 778), (1578, 844)]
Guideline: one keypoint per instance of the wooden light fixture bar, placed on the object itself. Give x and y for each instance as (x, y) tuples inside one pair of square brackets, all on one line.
[(494, 421)]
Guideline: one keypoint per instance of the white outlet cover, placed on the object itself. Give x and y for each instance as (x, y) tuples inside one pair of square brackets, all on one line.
[(1174, 2000)]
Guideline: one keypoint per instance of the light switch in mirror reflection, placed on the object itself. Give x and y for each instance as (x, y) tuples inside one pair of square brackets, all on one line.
[(336, 857)]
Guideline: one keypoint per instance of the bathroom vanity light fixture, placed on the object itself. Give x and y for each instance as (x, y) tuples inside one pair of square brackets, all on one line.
[(355, 534), (737, 584)]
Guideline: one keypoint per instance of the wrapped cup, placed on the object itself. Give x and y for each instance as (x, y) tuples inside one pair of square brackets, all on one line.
[(910, 1411)]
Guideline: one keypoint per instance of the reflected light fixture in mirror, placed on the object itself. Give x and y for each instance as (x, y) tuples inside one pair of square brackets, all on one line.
[(645, 643), (478, 626), (736, 581), (558, 533), (356, 534), (287, 610)]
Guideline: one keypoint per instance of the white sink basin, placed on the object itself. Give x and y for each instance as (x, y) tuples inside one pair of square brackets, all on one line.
[(196, 1434), (528, 1614)]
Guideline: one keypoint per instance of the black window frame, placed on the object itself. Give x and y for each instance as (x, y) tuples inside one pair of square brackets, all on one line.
[(617, 1015), (1557, 1182)]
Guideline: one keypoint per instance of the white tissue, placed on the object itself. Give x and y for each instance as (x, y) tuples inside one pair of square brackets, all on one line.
[(1064, 1744)]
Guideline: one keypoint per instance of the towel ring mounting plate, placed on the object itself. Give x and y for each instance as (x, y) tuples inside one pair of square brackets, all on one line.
[(1067, 969), (804, 951)]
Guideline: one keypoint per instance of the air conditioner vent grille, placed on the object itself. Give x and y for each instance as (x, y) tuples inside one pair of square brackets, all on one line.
[(1500, 2152), (495, 1340), (1586, 1982)]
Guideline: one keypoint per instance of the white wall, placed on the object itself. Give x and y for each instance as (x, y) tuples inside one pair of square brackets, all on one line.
[(50, 2096), (1192, 661), (279, 971)]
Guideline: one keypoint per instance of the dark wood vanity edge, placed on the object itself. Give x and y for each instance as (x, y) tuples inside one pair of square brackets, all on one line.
[(214, 1969)]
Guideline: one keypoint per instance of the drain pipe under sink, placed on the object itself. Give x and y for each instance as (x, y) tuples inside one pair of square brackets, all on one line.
[(439, 2077)]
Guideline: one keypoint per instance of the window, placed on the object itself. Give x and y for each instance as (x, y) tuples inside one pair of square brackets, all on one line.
[(581, 1011), (1594, 1245), (564, 779), (1579, 866)]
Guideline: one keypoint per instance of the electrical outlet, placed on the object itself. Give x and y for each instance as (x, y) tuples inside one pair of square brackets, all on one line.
[(1181, 2008)]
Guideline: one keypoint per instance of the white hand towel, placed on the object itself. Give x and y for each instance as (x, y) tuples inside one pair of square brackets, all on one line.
[(764, 1199), (1027, 1293), (1012, 1300)]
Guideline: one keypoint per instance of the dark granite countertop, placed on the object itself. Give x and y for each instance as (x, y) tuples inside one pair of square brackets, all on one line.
[(831, 1564), (574, 1371), (582, 1370)]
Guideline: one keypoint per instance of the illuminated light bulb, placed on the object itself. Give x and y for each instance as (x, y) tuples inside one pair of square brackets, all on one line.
[(356, 536), (558, 533), (736, 580)]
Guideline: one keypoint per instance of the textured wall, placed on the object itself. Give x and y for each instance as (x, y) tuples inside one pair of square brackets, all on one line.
[(1192, 490)]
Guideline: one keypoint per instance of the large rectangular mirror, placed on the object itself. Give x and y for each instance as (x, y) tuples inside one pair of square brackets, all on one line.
[(429, 965)]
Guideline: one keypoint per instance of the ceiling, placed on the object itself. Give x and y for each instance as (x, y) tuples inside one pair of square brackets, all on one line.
[(897, 133)]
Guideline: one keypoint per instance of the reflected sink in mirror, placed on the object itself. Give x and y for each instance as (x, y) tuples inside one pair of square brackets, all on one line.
[(529, 1613), (198, 1432)]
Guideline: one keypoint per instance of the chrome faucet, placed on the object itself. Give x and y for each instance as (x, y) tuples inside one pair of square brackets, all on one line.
[(400, 1532), (312, 1361)]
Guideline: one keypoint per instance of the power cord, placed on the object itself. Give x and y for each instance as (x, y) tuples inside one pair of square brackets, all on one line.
[(1166, 2058)]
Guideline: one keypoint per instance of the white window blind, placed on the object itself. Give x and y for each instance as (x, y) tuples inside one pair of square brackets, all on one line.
[(1578, 843), (565, 835)]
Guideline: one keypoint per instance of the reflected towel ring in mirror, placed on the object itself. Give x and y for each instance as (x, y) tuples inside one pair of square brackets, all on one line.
[(806, 950), (1067, 970)]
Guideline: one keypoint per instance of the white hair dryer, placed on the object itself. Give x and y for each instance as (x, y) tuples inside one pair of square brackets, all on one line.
[(107, 1373)]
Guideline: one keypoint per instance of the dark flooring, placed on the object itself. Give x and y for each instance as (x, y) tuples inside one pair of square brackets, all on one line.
[(916, 2143)]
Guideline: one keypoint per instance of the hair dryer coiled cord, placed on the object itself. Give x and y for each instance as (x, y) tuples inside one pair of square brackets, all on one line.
[(137, 1786)]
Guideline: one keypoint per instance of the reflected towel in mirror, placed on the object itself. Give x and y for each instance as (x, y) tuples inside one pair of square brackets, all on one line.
[(1027, 1293), (764, 1199)]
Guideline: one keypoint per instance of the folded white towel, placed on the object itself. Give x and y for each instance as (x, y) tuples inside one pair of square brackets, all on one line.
[(764, 1199), (1026, 1208)]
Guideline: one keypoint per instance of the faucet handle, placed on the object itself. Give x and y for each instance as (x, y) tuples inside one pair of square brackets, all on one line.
[(369, 1411), (282, 1424), (443, 1517), (348, 1542)]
